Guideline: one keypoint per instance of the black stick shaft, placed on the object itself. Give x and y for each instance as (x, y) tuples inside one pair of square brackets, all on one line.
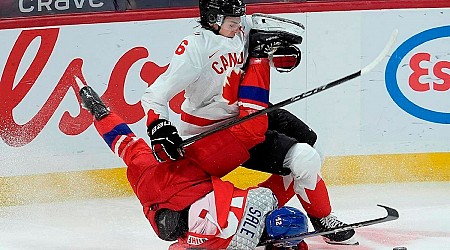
[(272, 108)]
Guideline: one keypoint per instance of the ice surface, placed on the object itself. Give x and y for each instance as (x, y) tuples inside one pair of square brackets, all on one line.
[(119, 223)]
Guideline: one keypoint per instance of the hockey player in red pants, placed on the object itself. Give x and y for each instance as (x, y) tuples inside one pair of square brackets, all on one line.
[(210, 67), (183, 202)]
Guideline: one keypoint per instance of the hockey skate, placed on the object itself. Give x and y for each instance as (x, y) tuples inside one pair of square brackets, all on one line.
[(271, 32), (301, 246), (264, 43), (265, 22), (339, 238), (92, 102)]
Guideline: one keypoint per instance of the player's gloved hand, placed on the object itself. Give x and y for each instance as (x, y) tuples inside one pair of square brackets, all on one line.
[(165, 140)]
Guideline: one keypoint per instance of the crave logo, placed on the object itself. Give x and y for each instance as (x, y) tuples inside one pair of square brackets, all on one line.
[(418, 80)]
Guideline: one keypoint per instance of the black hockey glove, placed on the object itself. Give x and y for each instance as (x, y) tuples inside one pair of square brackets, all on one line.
[(165, 140)]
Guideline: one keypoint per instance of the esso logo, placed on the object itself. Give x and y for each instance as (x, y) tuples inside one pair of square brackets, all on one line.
[(418, 75)]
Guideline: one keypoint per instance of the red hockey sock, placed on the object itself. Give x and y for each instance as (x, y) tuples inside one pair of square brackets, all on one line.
[(319, 202), (282, 187)]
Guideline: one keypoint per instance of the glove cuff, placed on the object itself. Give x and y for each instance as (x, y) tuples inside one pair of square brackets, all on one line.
[(156, 125)]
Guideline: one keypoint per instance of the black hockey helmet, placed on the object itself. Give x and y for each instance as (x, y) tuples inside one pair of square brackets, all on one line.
[(214, 11)]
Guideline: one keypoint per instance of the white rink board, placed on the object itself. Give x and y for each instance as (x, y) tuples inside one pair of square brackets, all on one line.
[(359, 117), (100, 54)]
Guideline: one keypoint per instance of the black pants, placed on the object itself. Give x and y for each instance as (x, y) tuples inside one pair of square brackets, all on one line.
[(285, 129)]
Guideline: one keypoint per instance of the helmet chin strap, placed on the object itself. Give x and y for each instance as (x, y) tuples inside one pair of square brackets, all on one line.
[(217, 32), (219, 22)]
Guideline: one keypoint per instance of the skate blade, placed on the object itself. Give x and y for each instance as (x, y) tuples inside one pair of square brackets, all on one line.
[(352, 241), (273, 23)]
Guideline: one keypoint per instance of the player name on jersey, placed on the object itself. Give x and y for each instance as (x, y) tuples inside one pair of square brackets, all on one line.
[(251, 222), (193, 240)]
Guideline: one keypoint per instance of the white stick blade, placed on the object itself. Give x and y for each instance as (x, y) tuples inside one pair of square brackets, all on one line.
[(382, 55)]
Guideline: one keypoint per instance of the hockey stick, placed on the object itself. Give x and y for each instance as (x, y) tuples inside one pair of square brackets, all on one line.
[(311, 92), (392, 214)]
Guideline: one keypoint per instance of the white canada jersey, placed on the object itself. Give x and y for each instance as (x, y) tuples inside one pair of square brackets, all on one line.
[(208, 67)]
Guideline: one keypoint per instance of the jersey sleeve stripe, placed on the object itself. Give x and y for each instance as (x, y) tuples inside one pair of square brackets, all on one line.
[(254, 93), (120, 129)]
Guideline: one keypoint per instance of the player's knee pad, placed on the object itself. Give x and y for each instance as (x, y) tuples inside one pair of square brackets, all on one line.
[(218, 154), (318, 146), (305, 164)]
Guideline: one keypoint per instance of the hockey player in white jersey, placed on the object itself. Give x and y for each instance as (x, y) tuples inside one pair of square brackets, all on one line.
[(224, 71)]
